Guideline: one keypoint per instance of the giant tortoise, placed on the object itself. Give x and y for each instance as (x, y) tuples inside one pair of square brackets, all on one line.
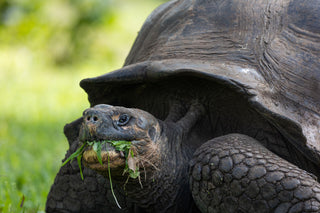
[(220, 100)]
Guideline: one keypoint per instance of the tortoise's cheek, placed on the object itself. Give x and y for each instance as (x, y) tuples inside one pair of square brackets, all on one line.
[(148, 154), (143, 147)]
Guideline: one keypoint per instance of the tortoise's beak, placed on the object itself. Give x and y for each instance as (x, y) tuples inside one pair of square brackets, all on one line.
[(97, 125)]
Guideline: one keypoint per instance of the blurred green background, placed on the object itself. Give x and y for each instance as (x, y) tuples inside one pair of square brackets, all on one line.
[(46, 48)]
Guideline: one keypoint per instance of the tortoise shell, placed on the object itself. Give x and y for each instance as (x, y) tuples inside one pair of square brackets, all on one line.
[(254, 65)]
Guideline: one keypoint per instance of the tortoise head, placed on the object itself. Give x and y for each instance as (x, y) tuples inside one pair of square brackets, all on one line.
[(104, 124)]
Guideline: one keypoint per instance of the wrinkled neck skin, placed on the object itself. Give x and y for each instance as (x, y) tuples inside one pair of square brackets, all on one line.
[(166, 188)]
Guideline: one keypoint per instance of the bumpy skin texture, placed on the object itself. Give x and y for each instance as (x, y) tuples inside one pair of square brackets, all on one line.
[(71, 194), (235, 173)]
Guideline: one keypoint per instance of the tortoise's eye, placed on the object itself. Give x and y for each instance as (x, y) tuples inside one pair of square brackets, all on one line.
[(123, 120)]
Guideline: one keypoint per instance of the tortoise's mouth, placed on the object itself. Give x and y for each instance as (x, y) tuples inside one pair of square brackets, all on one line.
[(110, 157)]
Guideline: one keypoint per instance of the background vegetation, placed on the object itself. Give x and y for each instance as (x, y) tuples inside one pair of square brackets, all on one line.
[(46, 48)]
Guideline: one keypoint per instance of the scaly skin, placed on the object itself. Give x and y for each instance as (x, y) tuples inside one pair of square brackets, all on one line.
[(235, 173)]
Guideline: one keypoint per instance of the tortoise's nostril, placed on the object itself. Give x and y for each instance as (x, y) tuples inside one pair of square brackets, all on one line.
[(91, 118)]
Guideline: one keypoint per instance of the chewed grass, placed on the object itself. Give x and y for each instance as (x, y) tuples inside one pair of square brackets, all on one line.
[(131, 167)]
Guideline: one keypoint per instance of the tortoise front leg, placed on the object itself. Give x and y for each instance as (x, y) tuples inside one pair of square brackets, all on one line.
[(235, 173)]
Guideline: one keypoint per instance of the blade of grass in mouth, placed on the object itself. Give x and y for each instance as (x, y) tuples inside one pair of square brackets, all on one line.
[(79, 163), (97, 148), (75, 154), (122, 146), (110, 179)]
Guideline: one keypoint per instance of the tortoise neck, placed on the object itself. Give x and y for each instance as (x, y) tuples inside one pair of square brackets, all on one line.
[(166, 191), (165, 187)]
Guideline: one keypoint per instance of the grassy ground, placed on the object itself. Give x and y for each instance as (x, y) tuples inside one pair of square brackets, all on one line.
[(37, 99)]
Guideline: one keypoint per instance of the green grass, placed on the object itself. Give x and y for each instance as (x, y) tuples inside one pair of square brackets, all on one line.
[(38, 99), (34, 108)]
